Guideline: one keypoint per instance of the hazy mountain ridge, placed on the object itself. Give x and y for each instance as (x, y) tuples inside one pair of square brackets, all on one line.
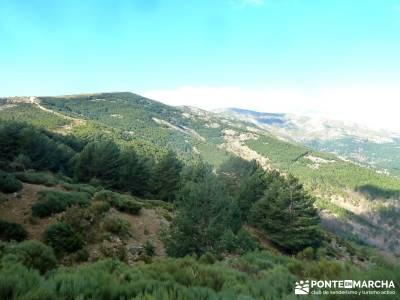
[(379, 149)]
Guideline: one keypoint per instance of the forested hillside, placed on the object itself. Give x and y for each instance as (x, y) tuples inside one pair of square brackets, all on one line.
[(363, 203), (231, 231), (204, 207)]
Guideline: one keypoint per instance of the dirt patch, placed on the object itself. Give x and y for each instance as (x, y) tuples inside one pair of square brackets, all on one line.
[(146, 226), (235, 144), (17, 209)]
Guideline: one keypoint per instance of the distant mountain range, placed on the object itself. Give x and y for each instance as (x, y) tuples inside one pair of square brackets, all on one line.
[(375, 148)]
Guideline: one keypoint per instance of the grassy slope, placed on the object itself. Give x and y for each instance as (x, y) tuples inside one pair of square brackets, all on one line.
[(31, 114)]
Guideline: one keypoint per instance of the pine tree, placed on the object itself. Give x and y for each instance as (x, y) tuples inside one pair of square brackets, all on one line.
[(204, 214), (245, 181), (287, 215), (235, 171), (166, 177), (98, 160), (134, 174), (251, 190)]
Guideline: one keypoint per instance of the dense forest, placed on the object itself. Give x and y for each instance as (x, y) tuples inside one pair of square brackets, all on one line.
[(235, 231)]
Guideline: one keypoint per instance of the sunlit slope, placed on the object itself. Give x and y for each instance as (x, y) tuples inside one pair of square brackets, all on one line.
[(379, 149)]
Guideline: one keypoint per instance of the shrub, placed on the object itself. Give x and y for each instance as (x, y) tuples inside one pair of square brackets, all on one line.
[(82, 255), (86, 188), (8, 183), (306, 254), (36, 178), (228, 242), (121, 202), (100, 207), (33, 255), (12, 231), (17, 280), (20, 163), (246, 242), (149, 248), (240, 243), (257, 275), (54, 201), (158, 203), (80, 218), (117, 226), (62, 238), (3, 198), (208, 258)]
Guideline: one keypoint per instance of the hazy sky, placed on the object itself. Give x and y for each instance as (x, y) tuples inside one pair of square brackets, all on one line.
[(339, 58)]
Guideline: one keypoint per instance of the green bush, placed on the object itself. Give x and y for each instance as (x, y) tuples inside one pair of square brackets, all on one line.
[(54, 201), (76, 187), (246, 242), (62, 238), (12, 231), (306, 254), (149, 248), (121, 202), (117, 226), (100, 207), (8, 183), (158, 203), (227, 242), (36, 178), (20, 163), (207, 258), (32, 254), (17, 281), (3, 198)]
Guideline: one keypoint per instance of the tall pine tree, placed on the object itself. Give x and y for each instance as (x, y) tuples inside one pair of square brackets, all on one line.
[(134, 174), (98, 160), (287, 215), (204, 214), (166, 177)]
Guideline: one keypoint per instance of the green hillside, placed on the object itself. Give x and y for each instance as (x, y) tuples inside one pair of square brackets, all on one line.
[(137, 120), (33, 115), (329, 174), (152, 128), (382, 156), (94, 204)]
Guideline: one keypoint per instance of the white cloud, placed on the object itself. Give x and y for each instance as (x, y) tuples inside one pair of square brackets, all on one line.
[(374, 106)]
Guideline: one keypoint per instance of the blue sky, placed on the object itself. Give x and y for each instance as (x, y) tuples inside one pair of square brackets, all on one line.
[(301, 56)]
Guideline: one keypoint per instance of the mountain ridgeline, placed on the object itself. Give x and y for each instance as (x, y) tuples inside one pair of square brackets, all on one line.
[(113, 180), (378, 149)]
